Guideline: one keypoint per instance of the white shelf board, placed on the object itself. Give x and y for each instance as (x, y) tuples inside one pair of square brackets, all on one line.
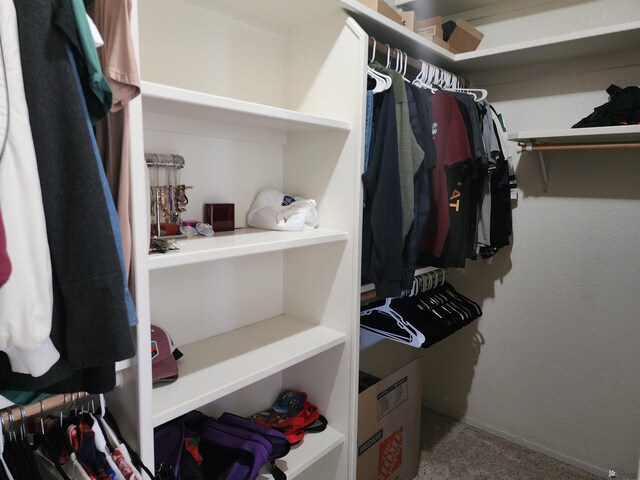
[(313, 447), (167, 100), (246, 241), (586, 43), (217, 366), (623, 133), (597, 41), (387, 31)]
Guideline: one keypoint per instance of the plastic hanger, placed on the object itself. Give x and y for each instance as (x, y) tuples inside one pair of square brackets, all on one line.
[(416, 338), (478, 94), (382, 81), (2, 462)]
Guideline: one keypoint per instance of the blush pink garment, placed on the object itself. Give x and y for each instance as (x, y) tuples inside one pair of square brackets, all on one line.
[(119, 66), (5, 262)]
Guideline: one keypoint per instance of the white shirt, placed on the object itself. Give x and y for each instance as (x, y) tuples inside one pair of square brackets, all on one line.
[(26, 300)]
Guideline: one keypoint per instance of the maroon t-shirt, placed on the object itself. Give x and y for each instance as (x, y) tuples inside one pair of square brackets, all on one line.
[(5, 263), (452, 147)]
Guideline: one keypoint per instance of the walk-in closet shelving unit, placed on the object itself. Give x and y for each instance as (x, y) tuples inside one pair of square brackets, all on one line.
[(254, 95)]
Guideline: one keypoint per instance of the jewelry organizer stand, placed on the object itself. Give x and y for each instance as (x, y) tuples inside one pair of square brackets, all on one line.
[(175, 197)]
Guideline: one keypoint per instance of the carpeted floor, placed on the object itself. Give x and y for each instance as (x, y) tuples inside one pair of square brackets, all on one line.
[(455, 451)]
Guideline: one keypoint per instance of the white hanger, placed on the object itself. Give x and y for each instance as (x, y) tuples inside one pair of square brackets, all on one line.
[(457, 87), (383, 82), (422, 80)]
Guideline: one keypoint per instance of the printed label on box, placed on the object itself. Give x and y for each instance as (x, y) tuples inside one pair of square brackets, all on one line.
[(390, 455), (392, 397), (370, 442)]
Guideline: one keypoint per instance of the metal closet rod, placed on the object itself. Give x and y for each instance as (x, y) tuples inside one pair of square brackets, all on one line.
[(54, 402), (368, 292), (164, 160), (533, 147)]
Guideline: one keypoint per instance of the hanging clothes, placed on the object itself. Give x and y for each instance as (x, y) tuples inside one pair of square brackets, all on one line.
[(71, 17), (420, 117), (5, 261), (382, 216), (26, 299), (119, 65), (90, 320), (410, 155), (452, 147)]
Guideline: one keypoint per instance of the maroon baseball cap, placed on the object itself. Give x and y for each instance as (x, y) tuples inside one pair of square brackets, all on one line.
[(163, 356)]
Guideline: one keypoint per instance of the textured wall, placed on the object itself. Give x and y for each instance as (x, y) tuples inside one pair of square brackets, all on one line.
[(554, 360)]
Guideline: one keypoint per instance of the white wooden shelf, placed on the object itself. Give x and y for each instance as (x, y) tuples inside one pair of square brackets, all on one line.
[(597, 41), (387, 31), (586, 43), (167, 100), (313, 447), (220, 365), (600, 138), (623, 133), (240, 242)]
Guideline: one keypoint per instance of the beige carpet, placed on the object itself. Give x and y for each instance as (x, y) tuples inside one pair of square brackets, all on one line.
[(455, 451)]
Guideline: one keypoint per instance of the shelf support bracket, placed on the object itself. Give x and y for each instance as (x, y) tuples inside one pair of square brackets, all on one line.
[(529, 147), (543, 171)]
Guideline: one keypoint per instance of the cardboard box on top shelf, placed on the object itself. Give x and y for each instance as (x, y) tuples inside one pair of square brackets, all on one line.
[(389, 425), (408, 19), (384, 8), (438, 41), (429, 26), (464, 38)]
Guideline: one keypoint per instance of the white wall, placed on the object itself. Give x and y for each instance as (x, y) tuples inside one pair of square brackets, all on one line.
[(554, 361)]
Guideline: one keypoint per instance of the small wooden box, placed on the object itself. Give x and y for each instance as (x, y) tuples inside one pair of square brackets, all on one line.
[(221, 216)]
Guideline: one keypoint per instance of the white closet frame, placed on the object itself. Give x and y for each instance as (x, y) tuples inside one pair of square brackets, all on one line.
[(253, 311)]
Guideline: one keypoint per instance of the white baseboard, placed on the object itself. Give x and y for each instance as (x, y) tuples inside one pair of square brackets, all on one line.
[(517, 440)]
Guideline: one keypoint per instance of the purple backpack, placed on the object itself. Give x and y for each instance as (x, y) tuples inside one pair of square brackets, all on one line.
[(232, 447), (235, 448)]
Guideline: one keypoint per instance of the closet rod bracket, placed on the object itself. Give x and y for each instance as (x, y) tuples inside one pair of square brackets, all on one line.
[(529, 147)]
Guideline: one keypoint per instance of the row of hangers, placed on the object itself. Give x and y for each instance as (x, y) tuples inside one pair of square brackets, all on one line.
[(13, 420), (15, 417), (426, 314), (429, 77)]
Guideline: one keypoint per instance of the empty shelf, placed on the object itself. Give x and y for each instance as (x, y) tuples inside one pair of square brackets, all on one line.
[(220, 365)]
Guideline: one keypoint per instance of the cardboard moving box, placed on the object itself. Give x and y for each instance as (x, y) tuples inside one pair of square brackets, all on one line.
[(464, 38), (389, 426), (384, 8)]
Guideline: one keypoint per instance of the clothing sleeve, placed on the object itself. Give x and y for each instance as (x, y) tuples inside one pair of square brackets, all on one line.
[(117, 56)]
